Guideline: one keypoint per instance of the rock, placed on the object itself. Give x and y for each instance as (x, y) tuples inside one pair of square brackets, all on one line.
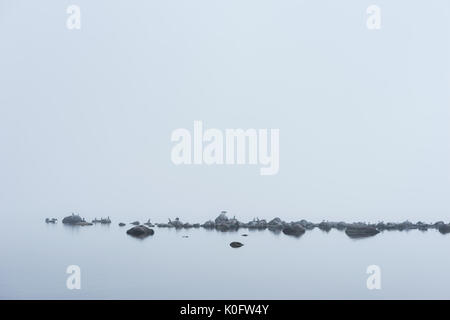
[(341, 225), (406, 225), (149, 224), (140, 231), (422, 226), (84, 223), (444, 228), (136, 223), (121, 224), (164, 225), (257, 224), (223, 223), (209, 225), (51, 220), (177, 223), (294, 229), (222, 218), (102, 220), (185, 236), (73, 219), (245, 235), (236, 244), (360, 231), (306, 224), (325, 226), (275, 224)]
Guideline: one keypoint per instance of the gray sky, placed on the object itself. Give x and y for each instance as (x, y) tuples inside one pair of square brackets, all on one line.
[(86, 115)]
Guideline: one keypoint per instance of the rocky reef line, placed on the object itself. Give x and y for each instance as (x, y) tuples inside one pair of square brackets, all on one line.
[(294, 228)]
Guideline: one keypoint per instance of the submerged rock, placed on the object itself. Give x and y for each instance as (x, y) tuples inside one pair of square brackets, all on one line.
[(361, 231), (121, 224), (140, 232), (236, 244), (294, 229), (73, 219), (136, 223), (51, 220)]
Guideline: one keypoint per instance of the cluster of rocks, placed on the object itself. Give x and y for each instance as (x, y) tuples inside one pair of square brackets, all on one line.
[(76, 220), (294, 228), (102, 220)]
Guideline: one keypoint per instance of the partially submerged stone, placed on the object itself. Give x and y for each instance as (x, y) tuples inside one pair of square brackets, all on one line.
[(140, 232), (102, 220), (72, 219), (294, 229), (361, 231), (236, 244), (444, 228), (84, 223)]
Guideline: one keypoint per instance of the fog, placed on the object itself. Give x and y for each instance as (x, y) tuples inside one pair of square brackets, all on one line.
[(86, 116)]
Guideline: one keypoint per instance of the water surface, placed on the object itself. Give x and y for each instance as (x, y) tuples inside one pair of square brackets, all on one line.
[(318, 265)]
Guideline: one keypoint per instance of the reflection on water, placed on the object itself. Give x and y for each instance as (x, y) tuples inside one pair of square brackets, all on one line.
[(169, 265)]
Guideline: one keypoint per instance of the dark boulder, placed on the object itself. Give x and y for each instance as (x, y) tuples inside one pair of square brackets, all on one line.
[(360, 231), (257, 224), (306, 224), (121, 224), (84, 223), (177, 223), (236, 244), (325, 226), (275, 224), (294, 229), (140, 232), (222, 218), (72, 219), (209, 225), (444, 228)]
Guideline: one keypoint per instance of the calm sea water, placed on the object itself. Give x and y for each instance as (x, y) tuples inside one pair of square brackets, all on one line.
[(319, 265)]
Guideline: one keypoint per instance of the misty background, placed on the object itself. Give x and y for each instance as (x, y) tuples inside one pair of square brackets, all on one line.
[(86, 115)]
